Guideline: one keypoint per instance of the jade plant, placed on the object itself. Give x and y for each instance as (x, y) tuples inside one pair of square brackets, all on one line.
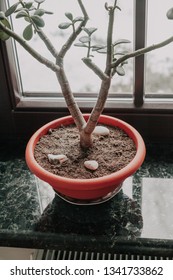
[(33, 13)]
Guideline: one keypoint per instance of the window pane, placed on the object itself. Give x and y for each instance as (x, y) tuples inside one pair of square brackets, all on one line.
[(159, 63), (36, 77)]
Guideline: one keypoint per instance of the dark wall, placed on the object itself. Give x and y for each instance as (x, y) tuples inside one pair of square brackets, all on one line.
[(6, 119)]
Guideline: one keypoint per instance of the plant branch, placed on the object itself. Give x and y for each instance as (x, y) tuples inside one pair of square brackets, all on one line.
[(115, 3), (47, 42), (74, 35), (69, 98), (109, 41), (29, 49), (83, 10), (105, 85), (65, 87), (95, 68), (99, 106), (141, 52)]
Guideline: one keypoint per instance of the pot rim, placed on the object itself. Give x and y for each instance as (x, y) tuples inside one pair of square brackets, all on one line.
[(119, 175)]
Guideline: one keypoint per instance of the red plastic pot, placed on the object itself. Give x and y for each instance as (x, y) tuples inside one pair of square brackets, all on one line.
[(89, 189)]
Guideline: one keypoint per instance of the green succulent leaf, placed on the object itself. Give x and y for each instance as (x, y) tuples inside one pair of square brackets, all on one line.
[(80, 45), (20, 9), (98, 47), (2, 15), (85, 39), (69, 16), (12, 9), (28, 32), (120, 71), (102, 50), (39, 12), (121, 41), (39, 1), (27, 19), (90, 30), (28, 5), (78, 19), (169, 13), (64, 25), (3, 35), (21, 14), (38, 20)]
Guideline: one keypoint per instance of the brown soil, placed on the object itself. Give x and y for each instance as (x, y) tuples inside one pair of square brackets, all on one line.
[(112, 152)]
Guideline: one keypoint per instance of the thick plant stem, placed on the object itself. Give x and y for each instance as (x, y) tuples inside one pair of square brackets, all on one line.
[(69, 98), (47, 42), (109, 42), (85, 139), (99, 106), (105, 85), (65, 86), (95, 68)]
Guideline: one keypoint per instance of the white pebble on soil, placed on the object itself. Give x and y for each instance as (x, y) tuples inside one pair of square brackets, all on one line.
[(91, 164), (101, 130), (57, 158)]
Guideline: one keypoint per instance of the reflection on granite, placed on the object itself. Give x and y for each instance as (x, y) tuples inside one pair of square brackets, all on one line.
[(120, 216), (142, 209)]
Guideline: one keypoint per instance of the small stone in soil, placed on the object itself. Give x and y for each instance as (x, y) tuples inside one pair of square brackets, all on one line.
[(57, 158), (101, 130), (91, 164)]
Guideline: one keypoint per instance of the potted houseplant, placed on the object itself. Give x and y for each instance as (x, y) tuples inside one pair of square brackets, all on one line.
[(91, 128)]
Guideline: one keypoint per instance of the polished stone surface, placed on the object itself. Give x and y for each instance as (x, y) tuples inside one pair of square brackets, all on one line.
[(141, 211), (19, 207)]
